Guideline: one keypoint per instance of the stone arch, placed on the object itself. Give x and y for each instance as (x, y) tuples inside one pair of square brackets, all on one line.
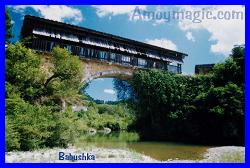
[(95, 69), (106, 74)]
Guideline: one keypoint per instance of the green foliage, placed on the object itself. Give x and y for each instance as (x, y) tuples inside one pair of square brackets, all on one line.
[(232, 70), (34, 117), (204, 108), (64, 130), (35, 126), (12, 136), (31, 122), (226, 101), (65, 82), (223, 109), (23, 71), (121, 136), (163, 95), (115, 117), (66, 66)]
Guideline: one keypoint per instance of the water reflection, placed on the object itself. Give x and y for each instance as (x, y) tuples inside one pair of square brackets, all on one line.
[(166, 150), (158, 150)]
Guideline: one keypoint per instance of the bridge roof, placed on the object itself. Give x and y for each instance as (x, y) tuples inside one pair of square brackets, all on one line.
[(77, 29)]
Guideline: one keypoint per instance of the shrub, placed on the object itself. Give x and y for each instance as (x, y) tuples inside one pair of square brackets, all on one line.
[(12, 136)]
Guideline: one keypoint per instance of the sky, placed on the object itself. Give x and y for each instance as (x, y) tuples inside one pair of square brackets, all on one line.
[(102, 89), (205, 39)]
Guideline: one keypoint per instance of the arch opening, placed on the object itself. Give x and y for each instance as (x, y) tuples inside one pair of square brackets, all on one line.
[(109, 89)]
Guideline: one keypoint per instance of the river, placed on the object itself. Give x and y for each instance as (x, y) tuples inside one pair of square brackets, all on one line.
[(157, 150), (126, 147)]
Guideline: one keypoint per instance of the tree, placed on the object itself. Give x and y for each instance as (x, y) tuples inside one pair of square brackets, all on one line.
[(66, 66), (65, 80), (232, 70), (33, 117), (23, 71), (8, 26), (124, 89)]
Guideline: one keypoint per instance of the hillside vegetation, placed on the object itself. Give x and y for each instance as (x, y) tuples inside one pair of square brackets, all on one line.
[(199, 109)]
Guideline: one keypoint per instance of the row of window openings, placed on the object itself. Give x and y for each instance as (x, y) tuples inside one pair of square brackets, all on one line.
[(87, 52), (93, 41), (47, 46)]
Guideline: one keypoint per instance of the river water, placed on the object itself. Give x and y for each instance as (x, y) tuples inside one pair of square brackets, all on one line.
[(161, 151)]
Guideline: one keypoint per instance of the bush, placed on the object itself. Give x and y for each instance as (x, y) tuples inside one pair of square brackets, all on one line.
[(31, 122), (35, 126), (115, 117), (12, 136), (64, 130)]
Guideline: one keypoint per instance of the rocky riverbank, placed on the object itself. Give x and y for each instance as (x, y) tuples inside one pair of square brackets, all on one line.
[(215, 155), (224, 154), (101, 155)]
